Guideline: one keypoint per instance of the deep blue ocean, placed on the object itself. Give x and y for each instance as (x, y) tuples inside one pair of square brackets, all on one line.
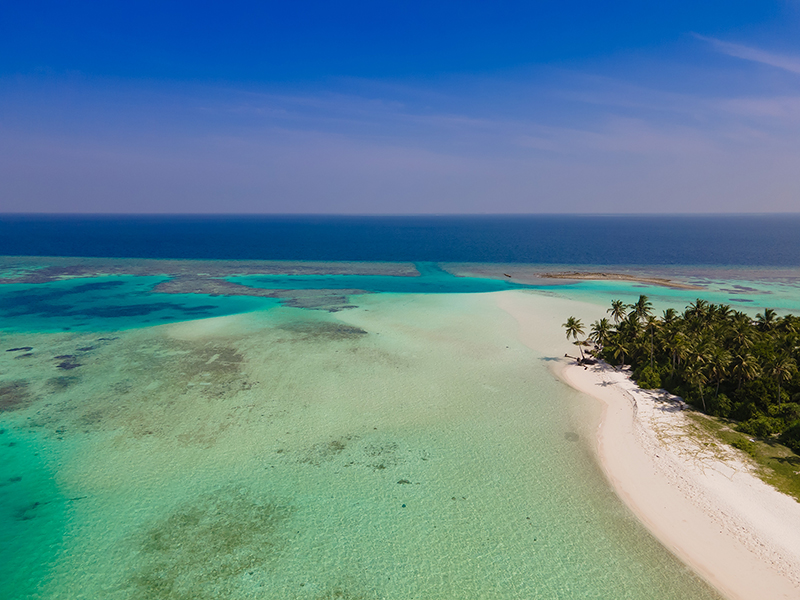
[(753, 240)]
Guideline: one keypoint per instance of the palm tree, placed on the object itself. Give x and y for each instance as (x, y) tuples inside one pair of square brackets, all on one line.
[(574, 328), (679, 349), (697, 365), (697, 309), (741, 333), (670, 315), (745, 368), (630, 326), (617, 311), (790, 324), (617, 347), (767, 319), (695, 376), (642, 307), (652, 324), (600, 331), (783, 369), (719, 360), (724, 312)]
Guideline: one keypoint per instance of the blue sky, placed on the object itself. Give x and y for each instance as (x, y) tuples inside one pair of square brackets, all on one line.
[(385, 108)]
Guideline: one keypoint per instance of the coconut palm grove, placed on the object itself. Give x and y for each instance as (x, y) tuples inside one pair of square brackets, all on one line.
[(718, 359)]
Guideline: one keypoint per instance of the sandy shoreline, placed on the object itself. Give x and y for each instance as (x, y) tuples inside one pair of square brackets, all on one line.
[(701, 501)]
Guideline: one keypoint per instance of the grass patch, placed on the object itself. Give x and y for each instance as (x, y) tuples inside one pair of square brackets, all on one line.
[(778, 466)]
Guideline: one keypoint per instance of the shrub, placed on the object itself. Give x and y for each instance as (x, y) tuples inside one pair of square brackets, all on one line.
[(719, 406), (761, 426), (744, 446), (789, 412), (791, 436), (649, 379), (744, 411)]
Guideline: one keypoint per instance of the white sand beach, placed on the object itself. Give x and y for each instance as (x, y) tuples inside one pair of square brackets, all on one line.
[(701, 500)]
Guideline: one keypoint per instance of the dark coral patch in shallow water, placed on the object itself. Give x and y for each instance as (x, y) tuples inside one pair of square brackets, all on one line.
[(201, 550), (319, 453), (59, 384), (28, 512), (322, 331), (14, 395), (68, 365)]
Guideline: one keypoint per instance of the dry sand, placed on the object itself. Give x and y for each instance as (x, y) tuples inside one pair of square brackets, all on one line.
[(700, 499)]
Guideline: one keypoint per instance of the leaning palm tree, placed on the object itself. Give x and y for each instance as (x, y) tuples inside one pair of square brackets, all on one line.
[(574, 328), (617, 310)]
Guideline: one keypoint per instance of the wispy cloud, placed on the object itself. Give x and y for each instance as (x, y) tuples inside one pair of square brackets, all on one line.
[(780, 61), (575, 143)]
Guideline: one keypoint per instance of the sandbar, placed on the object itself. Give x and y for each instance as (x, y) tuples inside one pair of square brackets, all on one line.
[(533, 274)]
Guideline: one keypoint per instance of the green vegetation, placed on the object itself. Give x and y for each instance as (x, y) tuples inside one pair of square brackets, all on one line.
[(778, 465), (716, 358)]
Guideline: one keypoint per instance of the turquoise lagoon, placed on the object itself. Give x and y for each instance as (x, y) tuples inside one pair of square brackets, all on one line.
[(188, 446)]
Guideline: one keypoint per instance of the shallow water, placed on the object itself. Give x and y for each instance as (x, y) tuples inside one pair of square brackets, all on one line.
[(411, 447)]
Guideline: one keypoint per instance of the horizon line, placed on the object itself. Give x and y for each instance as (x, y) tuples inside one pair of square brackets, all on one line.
[(396, 215)]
